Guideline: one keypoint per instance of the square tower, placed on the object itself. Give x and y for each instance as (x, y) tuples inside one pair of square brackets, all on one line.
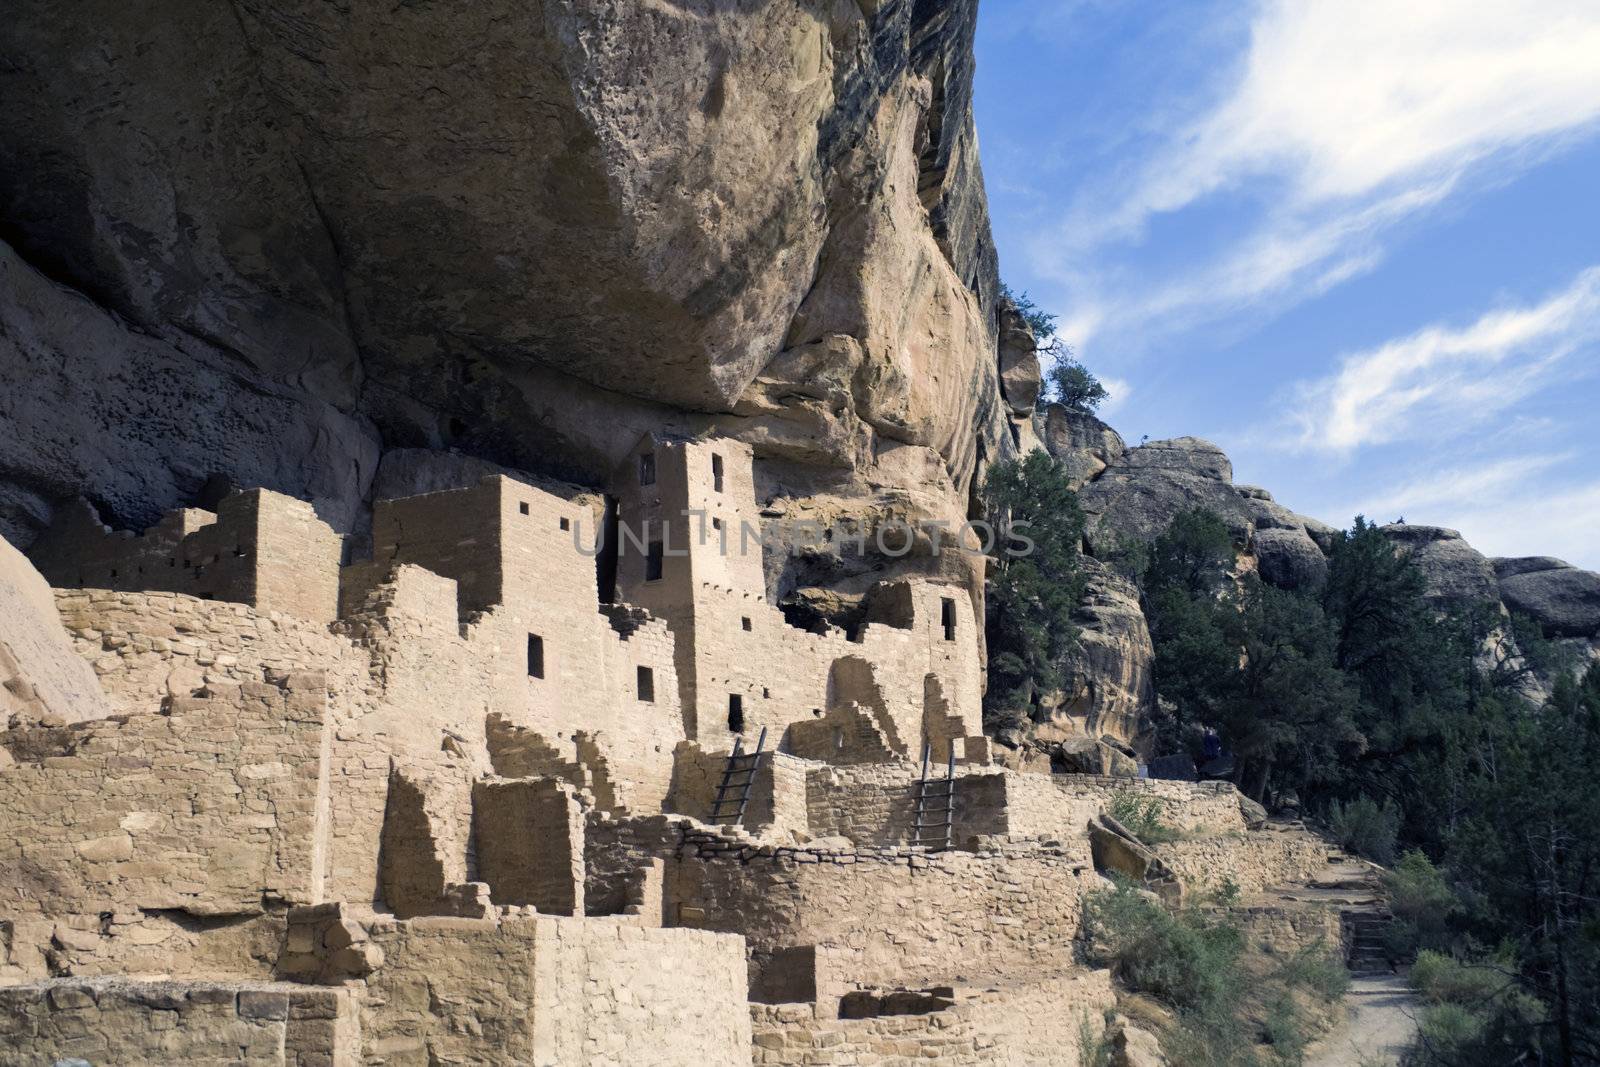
[(686, 521)]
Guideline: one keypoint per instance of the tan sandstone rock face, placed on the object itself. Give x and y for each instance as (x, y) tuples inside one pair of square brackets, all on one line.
[(41, 675), (1113, 677), (528, 234)]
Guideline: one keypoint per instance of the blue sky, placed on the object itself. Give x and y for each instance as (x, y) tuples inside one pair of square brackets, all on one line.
[(1355, 243)]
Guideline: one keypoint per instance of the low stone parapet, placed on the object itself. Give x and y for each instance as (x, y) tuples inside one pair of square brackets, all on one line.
[(114, 1020)]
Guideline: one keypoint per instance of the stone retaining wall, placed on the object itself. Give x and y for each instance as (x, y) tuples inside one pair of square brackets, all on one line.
[(552, 992), (210, 808), (934, 918), (1015, 1025), (160, 1022), (1253, 861)]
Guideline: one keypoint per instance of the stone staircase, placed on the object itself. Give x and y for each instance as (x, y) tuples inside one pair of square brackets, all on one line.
[(1364, 915), (1354, 887)]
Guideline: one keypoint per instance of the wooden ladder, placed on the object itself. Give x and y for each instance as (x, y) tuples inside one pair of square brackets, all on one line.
[(738, 775), (932, 824)]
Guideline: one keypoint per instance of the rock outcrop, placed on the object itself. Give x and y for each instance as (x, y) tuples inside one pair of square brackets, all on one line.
[(1560, 597), (1140, 492), (1457, 573), (1132, 495), (1083, 444), (529, 235), (42, 678), (1113, 684), (1020, 377)]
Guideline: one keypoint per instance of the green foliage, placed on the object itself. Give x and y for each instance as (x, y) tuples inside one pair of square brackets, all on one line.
[(1074, 386), (1422, 903), (1366, 827), (1187, 958), (1193, 556), (1444, 979), (1192, 959), (1031, 598), (1040, 321), (1383, 709), (1141, 816), (1251, 660), (1449, 1026), (1319, 970), (1476, 1012), (1094, 1050)]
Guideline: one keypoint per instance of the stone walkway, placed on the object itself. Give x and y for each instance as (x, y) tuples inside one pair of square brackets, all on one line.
[(1380, 1007), (1381, 1022)]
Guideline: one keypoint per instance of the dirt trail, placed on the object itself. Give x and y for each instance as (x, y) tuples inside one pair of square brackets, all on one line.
[(1381, 1022)]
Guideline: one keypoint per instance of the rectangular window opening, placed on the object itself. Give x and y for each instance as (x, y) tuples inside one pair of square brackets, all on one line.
[(653, 562), (535, 656), (735, 713), (647, 469), (947, 617), (647, 685), (566, 524), (523, 507), (716, 472), (744, 623)]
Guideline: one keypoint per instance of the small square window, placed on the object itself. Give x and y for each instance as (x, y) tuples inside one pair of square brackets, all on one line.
[(653, 562), (523, 507), (745, 623), (566, 524), (647, 469), (766, 694), (647, 685), (535, 656), (716, 524)]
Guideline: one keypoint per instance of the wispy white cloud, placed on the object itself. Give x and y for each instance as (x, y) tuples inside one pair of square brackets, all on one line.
[(1549, 522), (1340, 122), (1506, 508), (1345, 99), (1117, 392), (1438, 377), (1429, 497)]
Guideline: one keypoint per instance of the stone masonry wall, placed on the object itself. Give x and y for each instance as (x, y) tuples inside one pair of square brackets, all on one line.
[(732, 643), (1252, 861), (936, 918), (260, 548), (875, 805), (208, 808), (551, 992), (1204, 807), (530, 843), (535, 646), (147, 646), (1018, 1026), (613, 993), (777, 789), (141, 942), (163, 1022)]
